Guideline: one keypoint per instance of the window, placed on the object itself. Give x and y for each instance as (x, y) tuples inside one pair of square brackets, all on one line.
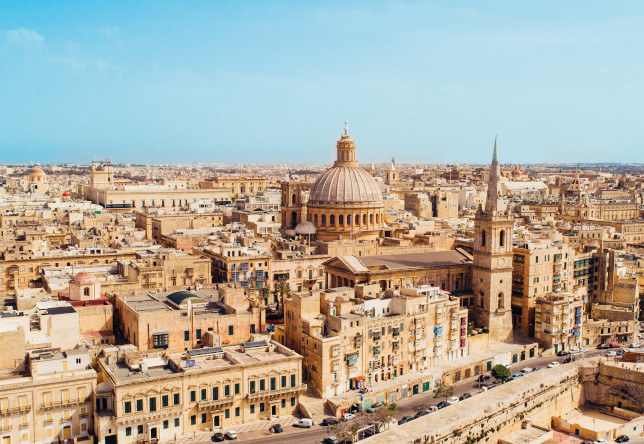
[(139, 429), (483, 238), (176, 399), (139, 405), (215, 393), (128, 431), (252, 409), (193, 420), (176, 422), (204, 418), (293, 380), (152, 402), (198, 333), (164, 401), (226, 390), (186, 335), (252, 328), (193, 396), (283, 403), (127, 406), (283, 381), (273, 383), (236, 411), (237, 388), (261, 407), (166, 424), (501, 238), (293, 402), (227, 413), (251, 387), (231, 330), (204, 394), (262, 385)]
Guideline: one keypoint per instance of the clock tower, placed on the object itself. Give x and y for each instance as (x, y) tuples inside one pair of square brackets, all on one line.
[(492, 268)]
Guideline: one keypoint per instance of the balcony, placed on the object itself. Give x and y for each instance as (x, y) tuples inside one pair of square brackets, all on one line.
[(215, 404), (148, 416), (13, 410), (276, 393), (65, 403)]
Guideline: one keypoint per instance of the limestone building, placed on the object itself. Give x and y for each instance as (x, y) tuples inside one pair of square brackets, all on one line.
[(160, 396), (559, 321), (492, 267), (180, 320), (344, 203)]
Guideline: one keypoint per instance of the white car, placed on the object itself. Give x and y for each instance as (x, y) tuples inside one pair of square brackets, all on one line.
[(553, 364), (583, 350), (231, 434), (600, 441), (452, 400), (348, 416), (611, 353)]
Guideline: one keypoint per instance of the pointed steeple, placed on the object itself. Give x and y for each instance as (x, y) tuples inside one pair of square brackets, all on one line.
[(494, 202)]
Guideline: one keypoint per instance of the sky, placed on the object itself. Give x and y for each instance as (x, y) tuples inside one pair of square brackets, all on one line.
[(273, 82)]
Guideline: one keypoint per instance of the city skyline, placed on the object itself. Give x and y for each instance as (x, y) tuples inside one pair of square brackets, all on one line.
[(273, 82)]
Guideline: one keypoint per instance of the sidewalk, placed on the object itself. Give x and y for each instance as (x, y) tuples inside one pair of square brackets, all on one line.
[(248, 430)]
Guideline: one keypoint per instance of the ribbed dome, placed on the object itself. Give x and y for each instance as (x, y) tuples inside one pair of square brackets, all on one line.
[(345, 184), (36, 172)]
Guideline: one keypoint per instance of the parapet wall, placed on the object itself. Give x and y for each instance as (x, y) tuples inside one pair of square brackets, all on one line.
[(488, 416)]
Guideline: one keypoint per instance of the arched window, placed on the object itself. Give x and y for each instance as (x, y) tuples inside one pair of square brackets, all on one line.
[(357, 218), (293, 198), (501, 303), (324, 220), (332, 220), (315, 219), (502, 238), (377, 218), (341, 219), (364, 219), (483, 234), (293, 219), (371, 218)]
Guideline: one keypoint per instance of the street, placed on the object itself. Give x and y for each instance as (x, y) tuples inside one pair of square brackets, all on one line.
[(410, 406)]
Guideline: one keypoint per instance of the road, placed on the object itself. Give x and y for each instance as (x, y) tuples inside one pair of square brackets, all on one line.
[(410, 406)]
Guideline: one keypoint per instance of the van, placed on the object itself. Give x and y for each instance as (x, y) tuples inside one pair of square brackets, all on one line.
[(304, 423)]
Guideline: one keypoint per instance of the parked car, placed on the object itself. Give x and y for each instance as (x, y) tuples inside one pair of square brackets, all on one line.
[(421, 413), (329, 421), (231, 434), (536, 369), (553, 364), (464, 396), (218, 437), (563, 353), (568, 359), (348, 416), (431, 408), (515, 376), (441, 405), (622, 438), (374, 407), (611, 353), (405, 419), (331, 440), (614, 345), (618, 353), (484, 389), (304, 423), (603, 346), (452, 400), (574, 351), (277, 428), (583, 350), (525, 371), (483, 378), (600, 441)]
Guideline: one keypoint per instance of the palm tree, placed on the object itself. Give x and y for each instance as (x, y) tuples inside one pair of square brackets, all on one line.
[(282, 288)]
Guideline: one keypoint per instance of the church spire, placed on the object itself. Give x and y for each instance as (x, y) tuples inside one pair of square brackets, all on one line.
[(494, 202)]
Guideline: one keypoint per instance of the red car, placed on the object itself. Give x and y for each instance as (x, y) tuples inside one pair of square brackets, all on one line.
[(614, 345)]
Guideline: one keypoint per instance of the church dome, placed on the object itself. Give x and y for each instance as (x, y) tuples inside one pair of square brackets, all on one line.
[(84, 277), (36, 172), (345, 182)]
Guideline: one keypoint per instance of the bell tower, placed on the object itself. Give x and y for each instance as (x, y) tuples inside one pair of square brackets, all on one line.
[(492, 269)]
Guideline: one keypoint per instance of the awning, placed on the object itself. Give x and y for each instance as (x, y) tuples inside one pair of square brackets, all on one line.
[(359, 378)]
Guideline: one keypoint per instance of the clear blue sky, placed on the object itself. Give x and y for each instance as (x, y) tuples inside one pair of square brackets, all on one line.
[(262, 81)]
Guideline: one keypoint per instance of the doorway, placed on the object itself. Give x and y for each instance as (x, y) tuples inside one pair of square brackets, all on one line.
[(274, 410)]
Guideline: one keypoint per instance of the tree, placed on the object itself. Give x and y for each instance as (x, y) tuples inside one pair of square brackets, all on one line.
[(500, 371), (443, 390), (282, 288), (347, 430), (386, 413)]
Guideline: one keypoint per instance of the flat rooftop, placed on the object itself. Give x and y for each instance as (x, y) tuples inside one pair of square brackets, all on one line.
[(416, 260), (593, 420), (205, 301)]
